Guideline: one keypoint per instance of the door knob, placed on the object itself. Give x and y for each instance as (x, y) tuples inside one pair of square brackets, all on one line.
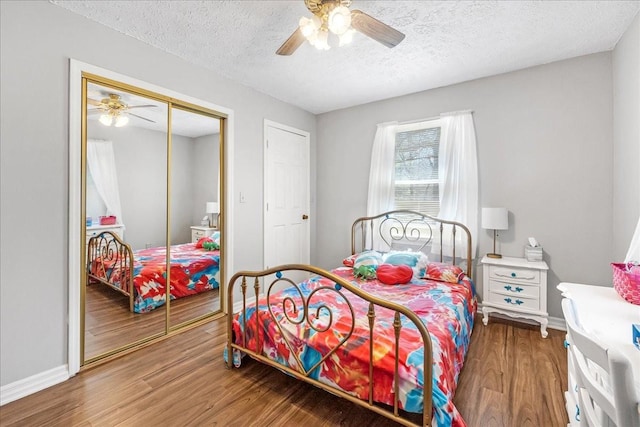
[(305, 216)]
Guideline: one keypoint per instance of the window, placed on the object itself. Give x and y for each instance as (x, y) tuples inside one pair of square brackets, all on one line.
[(416, 184)]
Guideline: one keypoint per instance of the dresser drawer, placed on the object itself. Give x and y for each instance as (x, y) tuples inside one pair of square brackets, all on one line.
[(515, 289), (514, 274), (514, 301)]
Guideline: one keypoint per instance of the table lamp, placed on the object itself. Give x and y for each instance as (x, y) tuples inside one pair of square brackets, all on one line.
[(212, 208), (495, 219)]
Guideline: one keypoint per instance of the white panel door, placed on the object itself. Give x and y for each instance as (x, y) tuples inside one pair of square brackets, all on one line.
[(287, 204)]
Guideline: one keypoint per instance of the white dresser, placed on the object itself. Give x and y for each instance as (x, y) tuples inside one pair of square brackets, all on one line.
[(605, 315), (515, 287), (198, 232)]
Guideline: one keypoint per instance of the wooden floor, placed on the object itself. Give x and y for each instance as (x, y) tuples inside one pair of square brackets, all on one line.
[(109, 324), (512, 378)]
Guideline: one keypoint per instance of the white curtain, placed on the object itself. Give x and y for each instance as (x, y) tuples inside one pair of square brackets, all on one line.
[(633, 254), (101, 164), (458, 176), (381, 176)]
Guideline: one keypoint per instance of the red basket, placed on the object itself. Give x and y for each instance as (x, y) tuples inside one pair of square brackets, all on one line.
[(107, 220), (626, 284)]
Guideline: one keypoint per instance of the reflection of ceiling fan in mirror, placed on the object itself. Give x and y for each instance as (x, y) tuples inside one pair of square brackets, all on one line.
[(334, 16), (114, 111)]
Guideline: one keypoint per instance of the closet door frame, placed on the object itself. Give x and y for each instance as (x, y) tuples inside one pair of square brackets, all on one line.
[(76, 222)]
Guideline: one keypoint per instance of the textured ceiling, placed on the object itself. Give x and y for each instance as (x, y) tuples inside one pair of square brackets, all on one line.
[(446, 42)]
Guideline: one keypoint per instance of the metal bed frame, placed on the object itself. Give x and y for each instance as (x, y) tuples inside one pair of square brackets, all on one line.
[(394, 228)]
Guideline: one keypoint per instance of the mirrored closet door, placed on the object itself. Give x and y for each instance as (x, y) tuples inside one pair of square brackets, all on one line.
[(151, 168), (195, 214)]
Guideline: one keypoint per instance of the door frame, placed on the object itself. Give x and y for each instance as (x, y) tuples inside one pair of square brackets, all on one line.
[(76, 69), (307, 136)]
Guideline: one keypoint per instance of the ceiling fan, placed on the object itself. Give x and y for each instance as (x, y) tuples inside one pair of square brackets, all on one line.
[(114, 110), (334, 16)]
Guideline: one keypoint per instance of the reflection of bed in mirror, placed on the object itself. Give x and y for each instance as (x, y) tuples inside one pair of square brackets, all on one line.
[(141, 274)]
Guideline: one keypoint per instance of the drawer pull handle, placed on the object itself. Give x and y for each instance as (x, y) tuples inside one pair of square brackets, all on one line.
[(516, 302), (515, 275), (510, 288)]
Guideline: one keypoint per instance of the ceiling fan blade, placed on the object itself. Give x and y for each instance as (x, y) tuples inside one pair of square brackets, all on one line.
[(141, 106), (140, 117), (377, 30), (293, 42), (93, 101)]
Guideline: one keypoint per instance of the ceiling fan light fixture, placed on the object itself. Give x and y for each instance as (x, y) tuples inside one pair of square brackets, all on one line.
[(322, 41), (335, 16), (339, 20), (121, 121), (307, 27), (346, 37), (106, 119)]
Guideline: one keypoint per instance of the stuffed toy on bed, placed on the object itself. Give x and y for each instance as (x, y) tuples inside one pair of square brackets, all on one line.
[(366, 264), (210, 246)]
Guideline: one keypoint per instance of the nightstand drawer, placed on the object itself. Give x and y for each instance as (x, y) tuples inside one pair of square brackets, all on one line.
[(514, 301), (514, 274), (515, 289), (197, 234)]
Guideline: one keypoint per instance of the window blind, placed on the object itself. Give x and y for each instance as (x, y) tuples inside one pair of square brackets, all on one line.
[(416, 170)]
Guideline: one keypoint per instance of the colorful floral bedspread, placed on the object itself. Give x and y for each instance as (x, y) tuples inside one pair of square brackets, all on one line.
[(193, 271), (446, 309)]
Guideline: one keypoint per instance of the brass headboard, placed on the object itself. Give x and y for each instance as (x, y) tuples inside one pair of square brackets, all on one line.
[(409, 229)]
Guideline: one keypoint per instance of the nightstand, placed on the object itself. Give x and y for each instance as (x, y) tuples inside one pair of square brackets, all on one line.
[(198, 232), (517, 288)]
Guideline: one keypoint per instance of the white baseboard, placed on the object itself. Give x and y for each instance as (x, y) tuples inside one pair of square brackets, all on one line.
[(33, 384), (557, 323)]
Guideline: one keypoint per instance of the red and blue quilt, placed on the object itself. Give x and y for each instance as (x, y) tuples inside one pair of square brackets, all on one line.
[(193, 270), (447, 309)]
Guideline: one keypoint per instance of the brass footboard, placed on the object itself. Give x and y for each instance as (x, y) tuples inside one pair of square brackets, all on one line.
[(307, 315), (110, 261)]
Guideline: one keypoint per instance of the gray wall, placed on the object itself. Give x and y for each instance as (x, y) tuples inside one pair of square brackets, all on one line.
[(544, 138), (626, 139), (141, 165), (36, 41), (205, 169)]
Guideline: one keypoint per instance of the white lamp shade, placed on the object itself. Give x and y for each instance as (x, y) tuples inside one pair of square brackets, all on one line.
[(495, 218), (121, 121), (106, 119), (212, 207)]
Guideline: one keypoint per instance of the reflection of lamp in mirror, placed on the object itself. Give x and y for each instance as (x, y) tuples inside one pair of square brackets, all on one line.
[(212, 209), (495, 219)]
